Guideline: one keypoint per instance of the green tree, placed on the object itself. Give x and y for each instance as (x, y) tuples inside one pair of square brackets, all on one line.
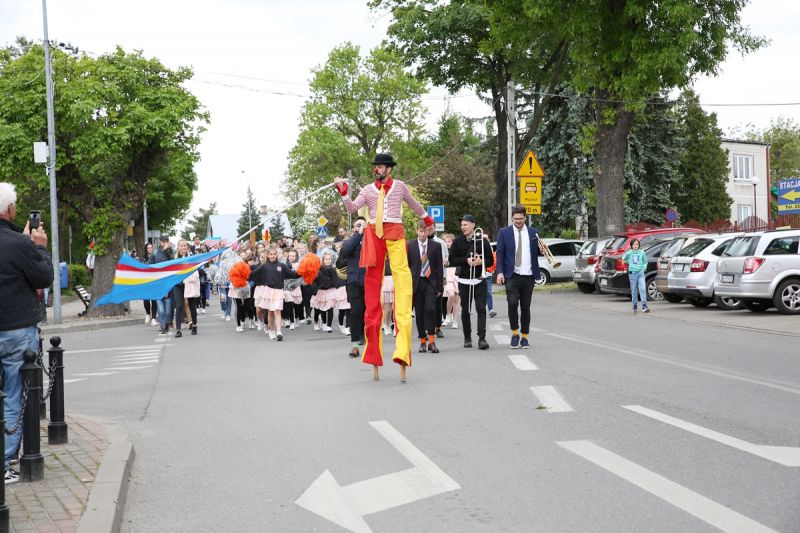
[(126, 130), (623, 52), (276, 228), (198, 224), (250, 214), (701, 193)]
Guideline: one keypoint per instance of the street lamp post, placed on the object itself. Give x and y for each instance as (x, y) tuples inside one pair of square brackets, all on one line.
[(754, 181)]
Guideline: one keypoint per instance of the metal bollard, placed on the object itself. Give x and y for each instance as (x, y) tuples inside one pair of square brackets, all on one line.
[(42, 401), (31, 464), (57, 431), (3, 507)]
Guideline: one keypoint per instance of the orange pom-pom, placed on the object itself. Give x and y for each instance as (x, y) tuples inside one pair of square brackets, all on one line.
[(239, 274), (309, 267)]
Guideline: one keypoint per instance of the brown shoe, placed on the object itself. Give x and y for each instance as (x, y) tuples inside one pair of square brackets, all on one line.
[(423, 347), (432, 348)]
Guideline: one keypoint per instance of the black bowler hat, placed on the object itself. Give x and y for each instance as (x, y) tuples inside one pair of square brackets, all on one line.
[(468, 218), (384, 159)]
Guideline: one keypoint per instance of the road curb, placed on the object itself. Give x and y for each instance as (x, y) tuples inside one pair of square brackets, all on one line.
[(103, 513), (91, 326)]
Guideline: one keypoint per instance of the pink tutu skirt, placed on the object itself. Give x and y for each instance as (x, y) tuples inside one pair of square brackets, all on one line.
[(325, 299), (341, 298), (450, 283), (268, 298), (294, 296), (388, 290)]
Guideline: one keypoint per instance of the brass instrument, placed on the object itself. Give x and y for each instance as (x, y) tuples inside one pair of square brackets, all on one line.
[(546, 253), (477, 236)]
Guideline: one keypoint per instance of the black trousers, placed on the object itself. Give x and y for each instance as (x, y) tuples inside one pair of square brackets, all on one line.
[(306, 292), (478, 302), (177, 304), (438, 315), (425, 308), (193, 304), (355, 295), (519, 293)]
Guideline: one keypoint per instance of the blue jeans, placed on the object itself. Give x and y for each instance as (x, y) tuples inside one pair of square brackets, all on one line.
[(164, 311), (225, 304), (638, 285), (12, 345), (489, 300)]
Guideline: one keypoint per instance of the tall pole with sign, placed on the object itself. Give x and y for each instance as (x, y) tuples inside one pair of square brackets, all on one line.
[(530, 176), (511, 135)]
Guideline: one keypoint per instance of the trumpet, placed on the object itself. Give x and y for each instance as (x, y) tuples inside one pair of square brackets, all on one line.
[(546, 253)]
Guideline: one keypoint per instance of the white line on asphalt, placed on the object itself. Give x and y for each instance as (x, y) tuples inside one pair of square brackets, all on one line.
[(89, 374), (74, 380), (138, 354), (502, 339), (662, 359), (136, 362), (538, 330), (551, 399), (129, 368), (687, 500), (114, 349), (497, 327), (522, 362), (784, 455)]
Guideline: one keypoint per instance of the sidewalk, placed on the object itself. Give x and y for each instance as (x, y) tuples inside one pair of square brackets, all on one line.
[(79, 479), (70, 321)]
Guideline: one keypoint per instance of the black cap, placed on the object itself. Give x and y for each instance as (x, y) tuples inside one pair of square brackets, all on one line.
[(468, 218), (163, 238), (384, 159)]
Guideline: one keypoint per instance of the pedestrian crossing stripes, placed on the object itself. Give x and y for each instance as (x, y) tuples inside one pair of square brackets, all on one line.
[(502, 339), (496, 327), (522, 362), (551, 400)]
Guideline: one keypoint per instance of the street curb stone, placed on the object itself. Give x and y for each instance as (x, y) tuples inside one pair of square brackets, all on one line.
[(103, 513)]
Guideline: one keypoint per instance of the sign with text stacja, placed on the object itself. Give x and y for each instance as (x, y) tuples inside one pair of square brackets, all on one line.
[(789, 196)]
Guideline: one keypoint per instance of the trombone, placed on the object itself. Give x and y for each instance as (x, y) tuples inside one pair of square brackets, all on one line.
[(477, 251)]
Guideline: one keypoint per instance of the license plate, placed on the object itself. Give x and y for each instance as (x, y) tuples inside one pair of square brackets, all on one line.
[(678, 267), (726, 278), (603, 281)]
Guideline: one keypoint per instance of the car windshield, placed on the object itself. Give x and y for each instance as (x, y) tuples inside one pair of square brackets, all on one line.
[(740, 246), (616, 243), (587, 248), (653, 249), (694, 248), (673, 246)]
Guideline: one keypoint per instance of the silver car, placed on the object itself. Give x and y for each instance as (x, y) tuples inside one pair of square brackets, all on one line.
[(763, 269), (693, 271), (564, 251), (587, 264)]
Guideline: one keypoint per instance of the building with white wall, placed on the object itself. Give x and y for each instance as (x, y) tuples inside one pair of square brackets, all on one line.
[(748, 179)]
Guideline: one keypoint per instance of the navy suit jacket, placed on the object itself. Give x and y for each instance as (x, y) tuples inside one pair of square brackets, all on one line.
[(507, 251), (435, 260)]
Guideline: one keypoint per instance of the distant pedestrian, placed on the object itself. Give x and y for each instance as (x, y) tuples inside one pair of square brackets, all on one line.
[(164, 304), (636, 260)]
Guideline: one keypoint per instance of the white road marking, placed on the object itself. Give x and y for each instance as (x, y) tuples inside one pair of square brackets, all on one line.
[(115, 349), (522, 362), (687, 500), (129, 368), (90, 374), (137, 362), (551, 399), (502, 339), (538, 330), (784, 455), (73, 380), (139, 354), (666, 360), (346, 506), (497, 327)]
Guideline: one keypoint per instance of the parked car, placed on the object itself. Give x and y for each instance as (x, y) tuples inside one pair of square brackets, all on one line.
[(564, 251), (662, 266), (614, 272), (693, 271), (763, 269), (588, 257), (622, 242)]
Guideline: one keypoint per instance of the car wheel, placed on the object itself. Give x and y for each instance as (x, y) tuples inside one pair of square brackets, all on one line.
[(787, 297), (728, 303), (653, 294), (699, 302), (672, 298), (544, 277), (586, 288), (756, 306)]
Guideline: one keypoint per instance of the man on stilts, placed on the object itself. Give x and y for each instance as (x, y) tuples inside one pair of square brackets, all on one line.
[(385, 236)]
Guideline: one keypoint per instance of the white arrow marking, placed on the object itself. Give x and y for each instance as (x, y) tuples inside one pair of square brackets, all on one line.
[(522, 362), (783, 455), (346, 506), (693, 503), (551, 399)]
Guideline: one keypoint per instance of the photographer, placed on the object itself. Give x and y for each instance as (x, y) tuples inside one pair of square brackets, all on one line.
[(25, 266)]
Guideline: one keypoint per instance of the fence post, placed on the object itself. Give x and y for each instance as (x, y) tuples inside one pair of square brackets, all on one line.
[(3, 506), (57, 431), (40, 379), (31, 464)]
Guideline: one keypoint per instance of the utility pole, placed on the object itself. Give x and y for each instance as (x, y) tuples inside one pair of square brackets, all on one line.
[(146, 234), (511, 129), (51, 171)]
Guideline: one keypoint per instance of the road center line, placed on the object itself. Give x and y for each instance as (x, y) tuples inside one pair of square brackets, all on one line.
[(687, 500), (551, 399), (666, 360), (522, 362)]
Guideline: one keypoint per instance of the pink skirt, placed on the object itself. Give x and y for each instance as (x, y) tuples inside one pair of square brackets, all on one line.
[(294, 296), (341, 298), (325, 299), (388, 290), (268, 298), (450, 284)]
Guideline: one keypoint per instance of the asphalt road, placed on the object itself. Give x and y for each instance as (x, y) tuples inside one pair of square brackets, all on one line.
[(611, 422)]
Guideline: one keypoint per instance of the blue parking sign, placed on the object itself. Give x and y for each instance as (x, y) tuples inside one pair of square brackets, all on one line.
[(436, 212)]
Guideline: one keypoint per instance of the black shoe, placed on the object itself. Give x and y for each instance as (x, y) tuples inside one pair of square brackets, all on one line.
[(194, 330), (468, 343), (482, 344), (361, 342), (432, 348), (439, 334), (492, 313), (354, 352), (178, 334), (423, 347)]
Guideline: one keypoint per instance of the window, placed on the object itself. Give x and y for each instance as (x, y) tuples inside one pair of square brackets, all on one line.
[(782, 246), (673, 246), (719, 250), (744, 211), (741, 246), (562, 248), (694, 248), (742, 167), (587, 248)]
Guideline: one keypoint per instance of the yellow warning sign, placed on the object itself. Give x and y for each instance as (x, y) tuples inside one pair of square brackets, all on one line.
[(533, 209), (530, 191), (530, 168)]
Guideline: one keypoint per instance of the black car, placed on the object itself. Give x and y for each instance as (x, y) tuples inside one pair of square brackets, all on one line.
[(613, 277)]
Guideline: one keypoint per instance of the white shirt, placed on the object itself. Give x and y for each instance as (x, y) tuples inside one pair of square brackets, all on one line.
[(525, 269)]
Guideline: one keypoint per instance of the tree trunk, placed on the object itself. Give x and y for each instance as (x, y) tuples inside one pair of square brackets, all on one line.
[(138, 237), (611, 144), (103, 279)]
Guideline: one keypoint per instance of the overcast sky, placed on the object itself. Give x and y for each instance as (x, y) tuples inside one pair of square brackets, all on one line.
[(251, 131)]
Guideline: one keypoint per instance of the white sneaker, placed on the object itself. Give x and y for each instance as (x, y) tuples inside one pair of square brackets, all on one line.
[(258, 326), (272, 335), (316, 326), (387, 330), (455, 324), (147, 319), (308, 320), (154, 322), (446, 321), (346, 331), (286, 323), (252, 324), (279, 335), (239, 329), (341, 329), (266, 331), (203, 310), (293, 326), (227, 318)]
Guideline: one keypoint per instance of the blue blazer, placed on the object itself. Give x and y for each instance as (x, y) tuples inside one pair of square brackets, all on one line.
[(507, 251)]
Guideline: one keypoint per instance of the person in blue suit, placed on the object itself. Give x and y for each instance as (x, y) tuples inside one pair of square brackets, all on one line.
[(517, 269)]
